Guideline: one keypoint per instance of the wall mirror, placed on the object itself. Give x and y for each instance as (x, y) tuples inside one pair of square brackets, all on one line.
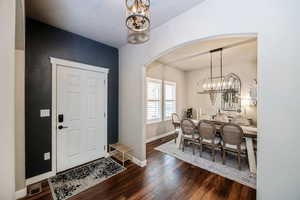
[(231, 95)]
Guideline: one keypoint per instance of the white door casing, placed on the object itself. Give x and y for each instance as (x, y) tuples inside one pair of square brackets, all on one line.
[(80, 100), (56, 64), (81, 96)]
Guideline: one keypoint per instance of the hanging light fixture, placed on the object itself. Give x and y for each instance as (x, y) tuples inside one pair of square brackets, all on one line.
[(214, 84), (229, 86), (138, 21)]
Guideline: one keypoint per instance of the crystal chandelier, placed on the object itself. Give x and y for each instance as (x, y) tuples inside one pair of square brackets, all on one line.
[(138, 21)]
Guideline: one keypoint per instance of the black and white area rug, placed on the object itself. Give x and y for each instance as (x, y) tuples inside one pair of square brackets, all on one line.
[(229, 170), (74, 181)]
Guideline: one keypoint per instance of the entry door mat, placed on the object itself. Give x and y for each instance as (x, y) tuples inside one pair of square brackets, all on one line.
[(74, 181)]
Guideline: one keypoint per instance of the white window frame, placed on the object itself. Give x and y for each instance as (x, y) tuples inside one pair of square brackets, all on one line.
[(164, 96), (160, 100)]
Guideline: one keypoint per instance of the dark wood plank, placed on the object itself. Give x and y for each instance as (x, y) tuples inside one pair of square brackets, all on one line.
[(164, 178)]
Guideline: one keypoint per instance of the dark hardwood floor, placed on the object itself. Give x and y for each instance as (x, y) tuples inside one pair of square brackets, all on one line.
[(164, 178)]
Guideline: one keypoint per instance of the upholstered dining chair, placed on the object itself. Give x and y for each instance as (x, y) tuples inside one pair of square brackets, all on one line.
[(189, 133), (176, 123), (208, 137), (232, 141)]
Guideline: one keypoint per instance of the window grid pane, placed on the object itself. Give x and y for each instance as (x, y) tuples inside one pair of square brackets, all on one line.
[(170, 107), (154, 100), (153, 110), (170, 92), (154, 90), (169, 99)]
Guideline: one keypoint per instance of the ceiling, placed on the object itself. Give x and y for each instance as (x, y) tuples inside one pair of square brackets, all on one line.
[(100, 20), (196, 55)]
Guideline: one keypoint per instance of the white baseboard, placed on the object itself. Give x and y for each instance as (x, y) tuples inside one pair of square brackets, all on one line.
[(39, 178), (139, 162), (21, 193), (159, 136)]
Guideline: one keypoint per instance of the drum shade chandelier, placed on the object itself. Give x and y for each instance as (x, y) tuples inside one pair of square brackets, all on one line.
[(138, 21)]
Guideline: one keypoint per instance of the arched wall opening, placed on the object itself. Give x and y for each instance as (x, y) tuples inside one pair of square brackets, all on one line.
[(247, 36), (217, 41)]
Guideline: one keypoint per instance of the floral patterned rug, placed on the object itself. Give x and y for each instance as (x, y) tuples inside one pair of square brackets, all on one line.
[(74, 181)]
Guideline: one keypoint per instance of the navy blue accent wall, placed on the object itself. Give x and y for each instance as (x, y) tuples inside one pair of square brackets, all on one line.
[(43, 41)]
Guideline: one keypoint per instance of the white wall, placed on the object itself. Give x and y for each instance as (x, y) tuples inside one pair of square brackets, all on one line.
[(20, 119), (7, 99), (241, 60), (162, 72), (20, 98), (277, 25)]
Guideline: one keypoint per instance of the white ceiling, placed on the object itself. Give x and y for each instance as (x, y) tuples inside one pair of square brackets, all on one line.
[(186, 59), (100, 20)]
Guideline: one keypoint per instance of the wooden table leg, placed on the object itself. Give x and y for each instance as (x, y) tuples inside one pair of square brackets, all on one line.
[(251, 155)]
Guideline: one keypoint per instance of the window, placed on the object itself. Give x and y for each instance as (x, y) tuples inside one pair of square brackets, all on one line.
[(154, 100), (169, 99)]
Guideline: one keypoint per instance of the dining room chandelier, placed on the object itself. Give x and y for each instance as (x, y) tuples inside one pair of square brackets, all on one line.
[(229, 86), (138, 21), (215, 84)]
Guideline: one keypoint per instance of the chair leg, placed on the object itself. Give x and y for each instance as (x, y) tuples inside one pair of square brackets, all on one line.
[(213, 154), (224, 157), (193, 145), (239, 160), (175, 140), (201, 149), (183, 145), (180, 142)]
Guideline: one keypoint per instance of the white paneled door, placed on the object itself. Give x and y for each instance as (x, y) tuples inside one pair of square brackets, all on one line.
[(81, 118)]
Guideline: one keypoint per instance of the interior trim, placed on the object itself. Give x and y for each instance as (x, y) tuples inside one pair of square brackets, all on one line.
[(39, 178), (72, 64), (21, 193), (159, 136), (55, 64), (139, 162)]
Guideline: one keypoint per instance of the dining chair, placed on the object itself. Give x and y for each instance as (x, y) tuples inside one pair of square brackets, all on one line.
[(208, 137), (176, 123), (189, 133), (232, 141)]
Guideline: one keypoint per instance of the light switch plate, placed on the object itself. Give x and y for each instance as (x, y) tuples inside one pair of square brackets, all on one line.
[(45, 113), (47, 156)]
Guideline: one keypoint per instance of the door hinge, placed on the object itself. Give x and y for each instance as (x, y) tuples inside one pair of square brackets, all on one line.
[(104, 115), (104, 82), (104, 147)]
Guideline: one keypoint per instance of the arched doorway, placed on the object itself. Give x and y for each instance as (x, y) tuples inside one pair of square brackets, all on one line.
[(190, 58)]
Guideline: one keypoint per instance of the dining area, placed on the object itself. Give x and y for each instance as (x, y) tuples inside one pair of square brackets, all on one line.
[(227, 123), (217, 137), (209, 103)]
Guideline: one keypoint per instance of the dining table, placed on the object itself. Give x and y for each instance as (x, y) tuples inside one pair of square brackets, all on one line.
[(250, 133)]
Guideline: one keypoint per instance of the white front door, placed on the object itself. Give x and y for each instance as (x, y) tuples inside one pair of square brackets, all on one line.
[(81, 120)]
